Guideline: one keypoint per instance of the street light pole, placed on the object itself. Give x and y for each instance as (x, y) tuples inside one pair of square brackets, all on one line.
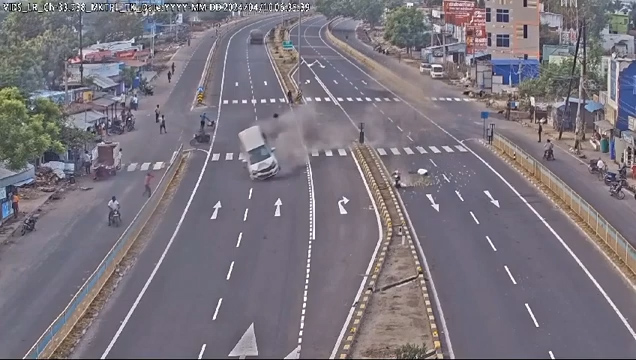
[(299, 57)]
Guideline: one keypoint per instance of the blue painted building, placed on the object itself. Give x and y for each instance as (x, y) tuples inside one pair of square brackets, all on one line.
[(514, 71), (621, 108)]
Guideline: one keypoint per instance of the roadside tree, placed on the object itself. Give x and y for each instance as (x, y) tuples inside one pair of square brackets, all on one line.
[(27, 132), (405, 28)]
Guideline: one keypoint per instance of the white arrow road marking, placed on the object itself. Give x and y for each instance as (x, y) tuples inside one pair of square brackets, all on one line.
[(246, 346), (341, 203), (459, 195), (492, 200), (216, 210), (278, 203), (433, 204), (294, 354)]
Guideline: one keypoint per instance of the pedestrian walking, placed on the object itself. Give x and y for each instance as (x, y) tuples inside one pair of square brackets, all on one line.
[(157, 113), (289, 97), (134, 103), (87, 162), (173, 68), (540, 131), (15, 203), (169, 76), (147, 189), (162, 125)]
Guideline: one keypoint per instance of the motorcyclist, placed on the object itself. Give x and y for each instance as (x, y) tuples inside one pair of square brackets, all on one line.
[(600, 165), (616, 186), (548, 149), (205, 118), (113, 205)]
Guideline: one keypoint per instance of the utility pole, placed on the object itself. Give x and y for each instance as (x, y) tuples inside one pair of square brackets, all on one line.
[(579, 116), (566, 114), (66, 102), (299, 57), (81, 51)]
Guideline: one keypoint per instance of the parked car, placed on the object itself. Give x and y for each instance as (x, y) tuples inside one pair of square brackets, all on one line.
[(425, 68), (437, 71)]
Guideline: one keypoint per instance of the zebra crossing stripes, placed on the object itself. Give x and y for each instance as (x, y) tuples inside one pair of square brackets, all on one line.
[(255, 101), (420, 149), (144, 166), (408, 151), (447, 148), (339, 99)]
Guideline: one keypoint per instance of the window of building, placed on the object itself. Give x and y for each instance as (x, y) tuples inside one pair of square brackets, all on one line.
[(503, 40), (489, 37), (525, 3), (503, 15), (525, 31), (487, 15)]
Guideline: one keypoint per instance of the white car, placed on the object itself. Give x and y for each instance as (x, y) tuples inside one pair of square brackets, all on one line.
[(437, 71), (425, 67)]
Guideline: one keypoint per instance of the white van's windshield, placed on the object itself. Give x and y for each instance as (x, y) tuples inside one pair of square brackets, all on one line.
[(259, 154), (437, 68)]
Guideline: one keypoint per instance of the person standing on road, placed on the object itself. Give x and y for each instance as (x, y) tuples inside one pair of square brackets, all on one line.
[(87, 162), (169, 76), (162, 125), (539, 131), (290, 97), (157, 113), (172, 68), (15, 201), (147, 189), (134, 103)]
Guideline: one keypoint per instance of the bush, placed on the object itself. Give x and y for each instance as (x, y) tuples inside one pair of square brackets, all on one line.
[(410, 351)]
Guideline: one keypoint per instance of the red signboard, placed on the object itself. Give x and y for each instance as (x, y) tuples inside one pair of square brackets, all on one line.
[(458, 12), (476, 36)]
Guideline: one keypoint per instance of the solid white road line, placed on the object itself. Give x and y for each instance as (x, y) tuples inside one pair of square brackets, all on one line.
[(229, 271), (201, 352), (491, 244), (218, 307), (510, 275), (240, 237), (534, 320)]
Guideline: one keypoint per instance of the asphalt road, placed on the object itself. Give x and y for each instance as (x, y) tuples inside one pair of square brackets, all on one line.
[(247, 263), (485, 306), (75, 238)]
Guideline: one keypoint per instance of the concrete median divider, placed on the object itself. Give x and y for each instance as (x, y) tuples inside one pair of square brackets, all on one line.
[(597, 225), (394, 229), (55, 334)]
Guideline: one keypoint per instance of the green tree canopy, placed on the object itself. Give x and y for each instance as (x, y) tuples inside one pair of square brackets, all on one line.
[(405, 28), (552, 83), (109, 27), (26, 132)]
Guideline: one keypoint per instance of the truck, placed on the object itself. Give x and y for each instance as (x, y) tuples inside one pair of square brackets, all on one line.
[(257, 154), (256, 37)]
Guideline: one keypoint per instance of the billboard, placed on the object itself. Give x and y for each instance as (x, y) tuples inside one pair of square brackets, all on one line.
[(476, 36), (458, 12)]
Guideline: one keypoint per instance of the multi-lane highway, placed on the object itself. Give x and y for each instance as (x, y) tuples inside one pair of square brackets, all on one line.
[(515, 277), (241, 267)]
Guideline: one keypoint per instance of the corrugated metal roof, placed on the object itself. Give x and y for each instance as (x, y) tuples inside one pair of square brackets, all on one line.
[(105, 101), (9, 177), (85, 119), (103, 82)]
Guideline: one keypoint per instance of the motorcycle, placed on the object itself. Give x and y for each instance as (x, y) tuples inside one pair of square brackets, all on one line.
[(147, 90), (29, 224), (593, 169), (548, 155), (611, 178), (616, 190), (115, 218), (200, 138), (130, 125), (117, 129)]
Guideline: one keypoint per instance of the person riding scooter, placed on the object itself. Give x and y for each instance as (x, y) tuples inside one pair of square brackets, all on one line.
[(548, 152), (113, 205)]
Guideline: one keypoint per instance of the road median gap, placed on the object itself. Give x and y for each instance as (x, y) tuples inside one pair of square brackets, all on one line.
[(394, 310)]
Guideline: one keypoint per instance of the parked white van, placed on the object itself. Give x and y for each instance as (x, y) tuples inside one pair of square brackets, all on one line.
[(259, 157), (437, 71)]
